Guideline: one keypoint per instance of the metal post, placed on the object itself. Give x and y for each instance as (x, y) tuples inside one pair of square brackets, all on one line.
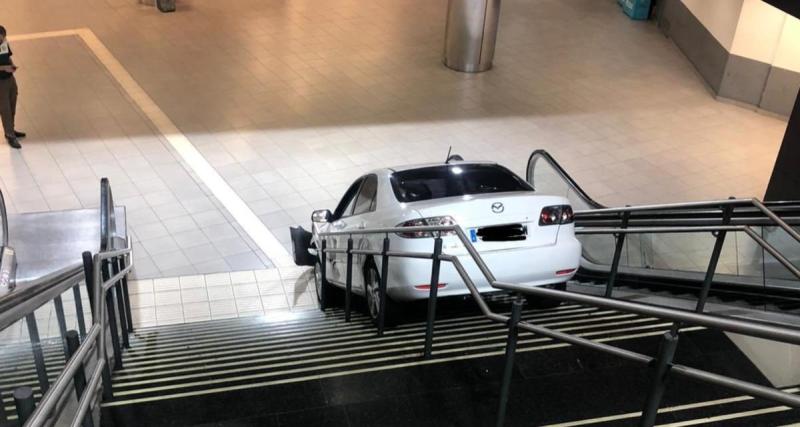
[(382, 285), (661, 369), (511, 349), (99, 317), (437, 252), (76, 293), (323, 262), (73, 342), (121, 303), (62, 321), (38, 356), (471, 34), (714, 260), (612, 275), (88, 274), (23, 400), (112, 317), (126, 294), (349, 283)]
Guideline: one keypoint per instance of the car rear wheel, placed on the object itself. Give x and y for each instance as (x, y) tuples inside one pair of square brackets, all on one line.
[(373, 296), (542, 303)]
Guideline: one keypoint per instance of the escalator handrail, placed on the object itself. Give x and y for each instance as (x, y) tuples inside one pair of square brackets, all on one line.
[(540, 153), (600, 209), (108, 225), (4, 214), (29, 295)]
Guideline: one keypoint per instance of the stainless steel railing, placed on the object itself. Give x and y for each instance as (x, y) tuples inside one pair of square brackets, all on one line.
[(744, 266), (95, 342), (662, 363), (100, 273)]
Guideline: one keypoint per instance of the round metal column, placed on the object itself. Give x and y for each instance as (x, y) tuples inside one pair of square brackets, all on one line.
[(471, 34)]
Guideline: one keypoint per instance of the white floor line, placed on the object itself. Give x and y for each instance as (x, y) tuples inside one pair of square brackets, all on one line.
[(677, 408), (246, 218), (728, 416)]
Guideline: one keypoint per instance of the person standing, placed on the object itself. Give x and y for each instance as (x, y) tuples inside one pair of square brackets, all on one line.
[(8, 92)]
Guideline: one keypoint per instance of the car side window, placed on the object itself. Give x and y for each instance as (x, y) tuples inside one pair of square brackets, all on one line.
[(345, 207), (366, 196)]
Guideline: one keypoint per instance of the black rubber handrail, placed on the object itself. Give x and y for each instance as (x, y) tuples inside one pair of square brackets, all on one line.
[(4, 215), (543, 154)]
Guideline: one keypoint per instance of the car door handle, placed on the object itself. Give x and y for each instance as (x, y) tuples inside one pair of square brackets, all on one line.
[(339, 225), (361, 226)]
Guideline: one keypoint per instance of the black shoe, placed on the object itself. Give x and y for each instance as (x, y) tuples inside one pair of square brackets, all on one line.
[(12, 141), (19, 134)]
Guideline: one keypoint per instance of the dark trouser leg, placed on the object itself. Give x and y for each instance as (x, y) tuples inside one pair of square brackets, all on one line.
[(7, 88), (13, 101)]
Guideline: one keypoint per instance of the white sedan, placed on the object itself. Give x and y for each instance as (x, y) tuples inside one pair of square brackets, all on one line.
[(522, 236)]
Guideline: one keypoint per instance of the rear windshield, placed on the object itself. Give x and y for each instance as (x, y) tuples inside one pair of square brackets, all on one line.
[(437, 182)]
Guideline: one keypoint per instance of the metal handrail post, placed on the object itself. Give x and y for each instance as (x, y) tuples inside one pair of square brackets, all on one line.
[(111, 314), (434, 290), (620, 244), (73, 342), (714, 260), (669, 344), (511, 349), (38, 355), (382, 286), (348, 292), (24, 403), (88, 277), (323, 263), (100, 319), (76, 293), (120, 262), (61, 319), (121, 303)]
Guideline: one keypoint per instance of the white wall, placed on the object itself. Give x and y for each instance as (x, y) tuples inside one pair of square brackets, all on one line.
[(758, 32), (777, 361), (787, 54), (720, 17)]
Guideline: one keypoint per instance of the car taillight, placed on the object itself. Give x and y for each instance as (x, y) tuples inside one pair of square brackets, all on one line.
[(421, 222), (559, 214)]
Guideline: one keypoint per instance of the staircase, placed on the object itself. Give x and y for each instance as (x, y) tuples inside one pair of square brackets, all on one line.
[(316, 369)]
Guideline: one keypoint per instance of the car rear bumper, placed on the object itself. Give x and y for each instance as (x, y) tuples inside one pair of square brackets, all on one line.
[(531, 266)]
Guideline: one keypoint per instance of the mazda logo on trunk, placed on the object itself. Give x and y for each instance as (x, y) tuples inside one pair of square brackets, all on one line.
[(498, 207)]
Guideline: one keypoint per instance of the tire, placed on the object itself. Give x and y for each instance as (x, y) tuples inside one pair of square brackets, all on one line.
[(372, 296), (321, 286), (544, 303)]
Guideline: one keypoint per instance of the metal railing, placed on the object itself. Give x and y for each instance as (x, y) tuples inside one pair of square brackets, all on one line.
[(662, 364), (747, 213), (95, 341), (102, 272)]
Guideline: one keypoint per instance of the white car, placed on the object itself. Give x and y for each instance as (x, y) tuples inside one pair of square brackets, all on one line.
[(522, 236)]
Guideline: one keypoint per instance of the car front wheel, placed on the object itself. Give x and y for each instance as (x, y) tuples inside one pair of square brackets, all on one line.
[(321, 285)]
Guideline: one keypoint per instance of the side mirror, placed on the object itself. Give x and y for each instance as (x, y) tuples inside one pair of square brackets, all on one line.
[(322, 215)]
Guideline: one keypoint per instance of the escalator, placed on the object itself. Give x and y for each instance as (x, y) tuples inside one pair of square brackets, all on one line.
[(747, 279)]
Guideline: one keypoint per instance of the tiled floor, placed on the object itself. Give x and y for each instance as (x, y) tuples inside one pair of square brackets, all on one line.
[(290, 101), (82, 128), (273, 293)]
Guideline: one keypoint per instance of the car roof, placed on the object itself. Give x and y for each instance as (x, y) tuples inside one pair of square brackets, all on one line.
[(428, 165)]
